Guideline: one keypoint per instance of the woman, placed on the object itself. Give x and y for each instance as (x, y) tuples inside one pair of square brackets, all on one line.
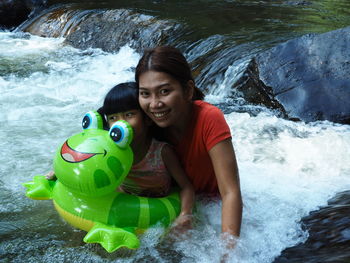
[(196, 129)]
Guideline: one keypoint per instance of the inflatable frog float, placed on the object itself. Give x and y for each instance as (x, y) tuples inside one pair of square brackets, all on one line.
[(89, 167)]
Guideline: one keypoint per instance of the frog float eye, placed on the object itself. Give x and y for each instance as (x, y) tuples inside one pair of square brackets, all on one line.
[(121, 133), (92, 120)]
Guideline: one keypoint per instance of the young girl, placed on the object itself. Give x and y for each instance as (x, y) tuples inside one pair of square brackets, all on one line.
[(155, 163)]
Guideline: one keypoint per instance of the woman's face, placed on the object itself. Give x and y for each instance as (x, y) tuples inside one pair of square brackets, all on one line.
[(163, 99)]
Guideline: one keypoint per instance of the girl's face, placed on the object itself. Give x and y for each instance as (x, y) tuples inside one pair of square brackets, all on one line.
[(163, 99), (135, 118)]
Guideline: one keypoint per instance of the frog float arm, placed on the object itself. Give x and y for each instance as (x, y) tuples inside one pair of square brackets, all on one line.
[(40, 188)]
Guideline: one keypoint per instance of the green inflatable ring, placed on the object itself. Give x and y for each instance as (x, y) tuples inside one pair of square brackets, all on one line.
[(89, 167)]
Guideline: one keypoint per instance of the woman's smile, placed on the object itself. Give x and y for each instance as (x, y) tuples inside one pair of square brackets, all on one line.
[(160, 114)]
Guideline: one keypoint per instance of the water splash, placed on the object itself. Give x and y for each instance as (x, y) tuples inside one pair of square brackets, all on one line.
[(287, 169)]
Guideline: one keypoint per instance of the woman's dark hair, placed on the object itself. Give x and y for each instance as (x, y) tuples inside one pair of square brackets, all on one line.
[(171, 61), (120, 98)]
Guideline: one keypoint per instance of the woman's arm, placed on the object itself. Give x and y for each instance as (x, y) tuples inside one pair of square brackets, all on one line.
[(187, 196), (225, 166)]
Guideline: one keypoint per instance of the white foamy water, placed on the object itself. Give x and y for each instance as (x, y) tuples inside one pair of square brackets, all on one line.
[(287, 169)]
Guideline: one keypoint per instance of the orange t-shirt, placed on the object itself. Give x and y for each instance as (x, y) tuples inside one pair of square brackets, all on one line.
[(207, 128)]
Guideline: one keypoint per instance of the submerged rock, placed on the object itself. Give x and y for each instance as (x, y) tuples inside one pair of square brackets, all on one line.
[(329, 234), (306, 78)]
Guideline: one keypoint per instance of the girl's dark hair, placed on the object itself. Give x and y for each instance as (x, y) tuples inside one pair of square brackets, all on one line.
[(171, 61), (120, 98)]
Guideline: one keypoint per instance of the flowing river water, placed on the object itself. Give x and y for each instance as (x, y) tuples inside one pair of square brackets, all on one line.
[(287, 169)]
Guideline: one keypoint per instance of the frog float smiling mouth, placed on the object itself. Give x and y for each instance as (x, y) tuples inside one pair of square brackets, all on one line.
[(72, 156), (89, 166)]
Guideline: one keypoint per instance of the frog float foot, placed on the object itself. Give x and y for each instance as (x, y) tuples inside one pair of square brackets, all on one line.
[(112, 238), (40, 188)]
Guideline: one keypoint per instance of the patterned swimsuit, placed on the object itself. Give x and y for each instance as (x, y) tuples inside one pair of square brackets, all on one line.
[(149, 177)]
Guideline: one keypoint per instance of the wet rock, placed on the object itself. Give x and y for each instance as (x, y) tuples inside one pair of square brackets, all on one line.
[(254, 89), (14, 12), (329, 234), (307, 78), (111, 29), (105, 29)]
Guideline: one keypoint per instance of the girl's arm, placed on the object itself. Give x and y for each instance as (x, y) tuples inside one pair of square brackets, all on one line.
[(175, 169), (225, 166), (50, 175)]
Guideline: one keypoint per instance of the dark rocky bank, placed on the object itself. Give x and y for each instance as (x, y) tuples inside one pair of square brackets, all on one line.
[(306, 78), (329, 234), (14, 12)]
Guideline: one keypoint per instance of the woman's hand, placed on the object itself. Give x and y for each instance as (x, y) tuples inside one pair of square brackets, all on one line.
[(229, 242), (180, 227), (183, 223)]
